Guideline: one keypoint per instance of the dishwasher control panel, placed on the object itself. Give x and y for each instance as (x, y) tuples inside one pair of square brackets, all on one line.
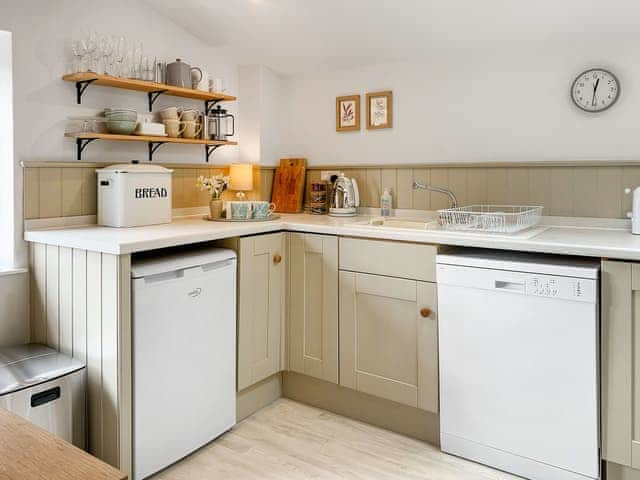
[(567, 288)]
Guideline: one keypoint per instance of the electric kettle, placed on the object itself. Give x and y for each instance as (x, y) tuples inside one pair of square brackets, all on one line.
[(344, 198)]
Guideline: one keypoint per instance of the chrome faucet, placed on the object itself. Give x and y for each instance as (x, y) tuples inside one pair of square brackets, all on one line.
[(422, 186)]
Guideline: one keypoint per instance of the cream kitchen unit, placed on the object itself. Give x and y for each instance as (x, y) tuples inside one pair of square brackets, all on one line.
[(621, 363), (335, 315), (388, 324)]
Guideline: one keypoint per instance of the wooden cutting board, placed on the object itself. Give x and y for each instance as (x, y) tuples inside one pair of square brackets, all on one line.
[(288, 185)]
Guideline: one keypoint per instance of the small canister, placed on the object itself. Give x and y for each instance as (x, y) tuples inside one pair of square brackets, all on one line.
[(318, 198)]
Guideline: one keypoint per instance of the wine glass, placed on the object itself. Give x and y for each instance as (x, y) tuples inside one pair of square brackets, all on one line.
[(79, 65), (89, 47), (119, 54), (106, 48)]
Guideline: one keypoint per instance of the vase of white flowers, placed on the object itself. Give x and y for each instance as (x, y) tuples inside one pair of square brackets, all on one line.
[(215, 186)]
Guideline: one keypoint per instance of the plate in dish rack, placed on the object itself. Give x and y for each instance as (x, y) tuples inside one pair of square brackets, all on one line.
[(267, 219)]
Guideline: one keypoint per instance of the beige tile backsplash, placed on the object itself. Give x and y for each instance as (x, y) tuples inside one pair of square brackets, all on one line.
[(69, 189)]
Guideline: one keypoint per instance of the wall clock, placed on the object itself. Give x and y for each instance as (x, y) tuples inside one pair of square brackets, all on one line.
[(595, 90)]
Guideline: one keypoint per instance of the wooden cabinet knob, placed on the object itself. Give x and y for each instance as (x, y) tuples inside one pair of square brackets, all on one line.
[(277, 259), (425, 312)]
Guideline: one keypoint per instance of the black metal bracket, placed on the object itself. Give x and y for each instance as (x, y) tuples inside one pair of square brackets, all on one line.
[(153, 146), (81, 86), (153, 96), (209, 149), (81, 144), (209, 104)]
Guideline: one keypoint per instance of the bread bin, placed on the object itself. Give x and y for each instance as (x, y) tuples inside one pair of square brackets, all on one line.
[(132, 195)]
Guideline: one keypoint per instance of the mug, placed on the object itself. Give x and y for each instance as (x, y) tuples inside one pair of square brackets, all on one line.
[(262, 209), (188, 115), (191, 129), (239, 210), (174, 127), (196, 77), (171, 113)]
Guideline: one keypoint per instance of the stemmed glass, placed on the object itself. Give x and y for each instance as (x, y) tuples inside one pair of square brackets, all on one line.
[(79, 65), (106, 50), (119, 53), (89, 47)]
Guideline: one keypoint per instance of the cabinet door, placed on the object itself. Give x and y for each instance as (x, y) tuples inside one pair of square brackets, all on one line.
[(388, 338), (313, 305), (260, 307), (620, 359)]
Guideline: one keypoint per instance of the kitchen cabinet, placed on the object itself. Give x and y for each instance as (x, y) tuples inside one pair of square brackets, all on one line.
[(388, 338), (620, 358), (313, 305), (261, 293)]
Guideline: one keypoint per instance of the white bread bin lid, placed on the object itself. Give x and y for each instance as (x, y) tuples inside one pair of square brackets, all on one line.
[(134, 168)]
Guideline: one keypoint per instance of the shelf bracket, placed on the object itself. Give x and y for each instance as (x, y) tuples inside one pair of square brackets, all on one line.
[(153, 146), (209, 104), (209, 149), (81, 144), (81, 86), (153, 96)]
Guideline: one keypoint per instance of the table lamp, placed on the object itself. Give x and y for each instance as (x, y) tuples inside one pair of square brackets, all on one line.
[(241, 179)]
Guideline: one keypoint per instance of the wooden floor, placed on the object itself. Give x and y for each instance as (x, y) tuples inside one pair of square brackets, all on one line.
[(289, 440)]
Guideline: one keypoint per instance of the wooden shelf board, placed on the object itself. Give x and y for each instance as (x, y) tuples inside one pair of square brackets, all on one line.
[(143, 86), (146, 138)]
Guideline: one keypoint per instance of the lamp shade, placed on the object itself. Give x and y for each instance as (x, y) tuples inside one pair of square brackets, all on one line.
[(241, 177)]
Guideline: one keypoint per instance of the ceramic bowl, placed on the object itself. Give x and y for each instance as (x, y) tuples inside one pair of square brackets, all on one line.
[(121, 127), (121, 114)]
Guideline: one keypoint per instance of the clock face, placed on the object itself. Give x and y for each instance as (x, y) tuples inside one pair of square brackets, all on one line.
[(595, 90)]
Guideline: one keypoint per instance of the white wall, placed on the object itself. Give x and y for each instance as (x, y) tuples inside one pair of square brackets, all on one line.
[(263, 106), (7, 226), (472, 106)]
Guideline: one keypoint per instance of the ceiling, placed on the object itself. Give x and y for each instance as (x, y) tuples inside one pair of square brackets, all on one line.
[(295, 36)]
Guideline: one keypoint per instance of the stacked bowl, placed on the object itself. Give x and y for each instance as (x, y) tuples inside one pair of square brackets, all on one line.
[(121, 120)]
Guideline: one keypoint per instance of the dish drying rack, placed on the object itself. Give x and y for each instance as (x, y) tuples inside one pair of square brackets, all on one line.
[(490, 218)]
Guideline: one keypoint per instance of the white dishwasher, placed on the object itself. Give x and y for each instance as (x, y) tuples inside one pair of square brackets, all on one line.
[(518, 346), (184, 354)]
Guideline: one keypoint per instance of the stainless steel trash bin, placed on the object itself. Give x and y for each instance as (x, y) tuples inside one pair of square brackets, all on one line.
[(45, 387)]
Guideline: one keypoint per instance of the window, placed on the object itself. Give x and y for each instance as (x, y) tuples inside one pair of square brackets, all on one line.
[(7, 203)]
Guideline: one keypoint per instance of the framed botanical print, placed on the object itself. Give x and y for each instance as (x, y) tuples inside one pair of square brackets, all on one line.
[(348, 113), (379, 110)]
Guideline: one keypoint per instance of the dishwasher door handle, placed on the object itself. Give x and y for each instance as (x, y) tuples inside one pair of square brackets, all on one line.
[(511, 286)]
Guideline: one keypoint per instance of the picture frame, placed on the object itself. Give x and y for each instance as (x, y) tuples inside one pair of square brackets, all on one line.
[(379, 110), (348, 113)]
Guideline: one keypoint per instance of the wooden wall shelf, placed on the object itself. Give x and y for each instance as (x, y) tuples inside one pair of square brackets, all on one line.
[(153, 89), (153, 142)]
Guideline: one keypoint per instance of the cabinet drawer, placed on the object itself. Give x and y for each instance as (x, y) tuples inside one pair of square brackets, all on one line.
[(394, 259)]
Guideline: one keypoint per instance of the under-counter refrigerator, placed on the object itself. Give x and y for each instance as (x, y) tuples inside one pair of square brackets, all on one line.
[(184, 354)]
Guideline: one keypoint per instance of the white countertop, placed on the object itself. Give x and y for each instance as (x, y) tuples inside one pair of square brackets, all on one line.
[(615, 243)]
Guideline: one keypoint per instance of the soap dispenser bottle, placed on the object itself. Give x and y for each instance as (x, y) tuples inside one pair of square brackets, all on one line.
[(385, 202), (634, 214)]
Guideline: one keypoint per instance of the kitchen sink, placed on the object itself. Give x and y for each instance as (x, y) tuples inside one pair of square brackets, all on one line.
[(434, 226), (402, 223)]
